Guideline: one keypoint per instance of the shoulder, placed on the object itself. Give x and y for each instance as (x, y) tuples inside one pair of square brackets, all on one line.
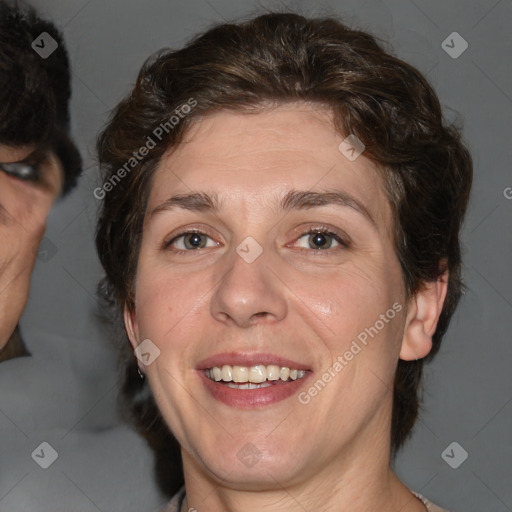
[(15, 347), (175, 504), (430, 506)]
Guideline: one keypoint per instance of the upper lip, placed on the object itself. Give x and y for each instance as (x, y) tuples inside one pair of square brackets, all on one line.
[(248, 359)]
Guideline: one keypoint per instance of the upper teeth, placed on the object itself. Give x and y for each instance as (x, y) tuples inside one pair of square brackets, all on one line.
[(255, 374)]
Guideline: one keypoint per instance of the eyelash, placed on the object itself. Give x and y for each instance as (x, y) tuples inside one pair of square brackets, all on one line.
[(180, 235), (316, 230), (323, 230), (13, 170)]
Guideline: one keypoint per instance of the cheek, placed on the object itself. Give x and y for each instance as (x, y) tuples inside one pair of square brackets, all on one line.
[(163, 300), (349, 303), (38, 230), (23, 211)]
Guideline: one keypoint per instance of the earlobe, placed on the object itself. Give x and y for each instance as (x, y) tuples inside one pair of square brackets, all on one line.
[(130, 323), (132, 330), (422, 318)]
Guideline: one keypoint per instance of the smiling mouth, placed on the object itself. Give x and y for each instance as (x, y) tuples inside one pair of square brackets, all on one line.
[(253, 377)]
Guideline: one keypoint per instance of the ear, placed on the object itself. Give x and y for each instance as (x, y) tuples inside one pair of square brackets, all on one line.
[(422, 317), (130, 324), (132, 329)]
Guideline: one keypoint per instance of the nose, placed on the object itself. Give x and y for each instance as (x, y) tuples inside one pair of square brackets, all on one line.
[(249, 293)]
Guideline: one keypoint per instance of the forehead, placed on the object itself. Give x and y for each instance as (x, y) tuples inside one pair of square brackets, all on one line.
[(260, 156)]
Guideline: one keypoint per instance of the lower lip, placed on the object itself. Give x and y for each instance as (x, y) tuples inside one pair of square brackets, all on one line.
[(252, 398)]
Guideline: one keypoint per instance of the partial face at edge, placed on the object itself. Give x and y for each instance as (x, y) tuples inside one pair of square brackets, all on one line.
[(27, 193), (325, 275)]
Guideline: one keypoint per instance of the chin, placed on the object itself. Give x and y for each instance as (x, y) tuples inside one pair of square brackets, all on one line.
[(253, 465)]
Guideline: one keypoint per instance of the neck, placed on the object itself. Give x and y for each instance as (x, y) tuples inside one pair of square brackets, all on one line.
[(366, 482)]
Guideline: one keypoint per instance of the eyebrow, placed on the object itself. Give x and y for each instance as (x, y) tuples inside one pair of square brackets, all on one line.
[(196, 202), (293, 200), (303, 200)]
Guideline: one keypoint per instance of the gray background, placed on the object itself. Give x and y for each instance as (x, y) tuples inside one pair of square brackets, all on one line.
[(65, 394)]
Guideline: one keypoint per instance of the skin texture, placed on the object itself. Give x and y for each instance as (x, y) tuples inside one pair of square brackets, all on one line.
[(24, 208), (294, 300)]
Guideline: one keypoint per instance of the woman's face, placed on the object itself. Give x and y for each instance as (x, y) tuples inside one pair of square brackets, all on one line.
[(265, 246), (30, 181)]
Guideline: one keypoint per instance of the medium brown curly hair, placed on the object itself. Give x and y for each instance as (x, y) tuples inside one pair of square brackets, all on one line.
[(273, 59)]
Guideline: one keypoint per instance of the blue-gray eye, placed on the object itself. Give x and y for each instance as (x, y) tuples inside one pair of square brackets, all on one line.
[(321, 240), (22, 170)]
